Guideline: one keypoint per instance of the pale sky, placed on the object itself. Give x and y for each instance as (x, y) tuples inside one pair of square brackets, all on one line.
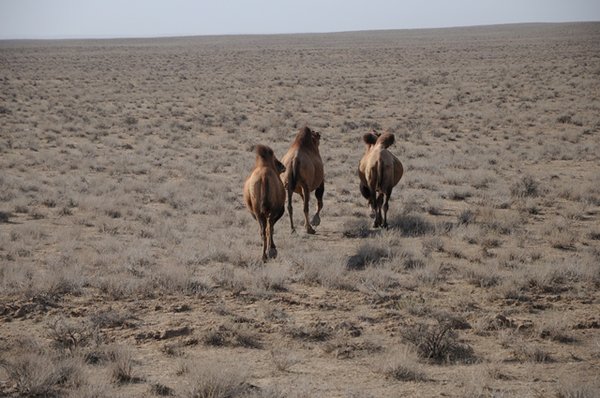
[(53, 19)]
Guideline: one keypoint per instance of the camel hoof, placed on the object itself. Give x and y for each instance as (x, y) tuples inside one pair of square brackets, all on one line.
[(316, 220), (273, 253)]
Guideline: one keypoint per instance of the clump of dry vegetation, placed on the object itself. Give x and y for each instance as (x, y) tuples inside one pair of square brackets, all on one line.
[(129, 266)]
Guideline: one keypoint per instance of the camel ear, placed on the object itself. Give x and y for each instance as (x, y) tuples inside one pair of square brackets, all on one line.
[(386, 139), (370, 138)]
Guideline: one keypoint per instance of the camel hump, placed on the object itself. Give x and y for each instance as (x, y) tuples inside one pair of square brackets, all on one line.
[(386, 140)]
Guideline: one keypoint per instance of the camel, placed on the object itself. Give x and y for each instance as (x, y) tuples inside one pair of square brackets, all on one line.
[(379, 172), (264, 196), (304, 174)]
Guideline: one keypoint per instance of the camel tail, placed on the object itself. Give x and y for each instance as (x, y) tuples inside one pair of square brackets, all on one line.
[(264, 200), (294, 174), (379, 179)]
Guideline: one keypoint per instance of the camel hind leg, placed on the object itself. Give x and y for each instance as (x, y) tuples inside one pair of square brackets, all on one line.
[(378, 204), (290, 210), (272, 252), (375, 211), (306, 198), (262, 222), (316, 220), (386, 206)]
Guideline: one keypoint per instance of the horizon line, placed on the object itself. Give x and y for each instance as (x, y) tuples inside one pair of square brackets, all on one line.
[(189, 35)]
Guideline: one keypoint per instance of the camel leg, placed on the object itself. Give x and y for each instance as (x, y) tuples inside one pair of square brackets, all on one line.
[(316, 220), (306, 198), (272, 247), (290, 192), (263, 234), (374, 213), (378, 205), (366, 193), (386, 206)]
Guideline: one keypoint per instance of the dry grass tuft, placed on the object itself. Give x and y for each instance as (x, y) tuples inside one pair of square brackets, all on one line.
[(215, 381), (526, 187), (438, 343), (403, 365)]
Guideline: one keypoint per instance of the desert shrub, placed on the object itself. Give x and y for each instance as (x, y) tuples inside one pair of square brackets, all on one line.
[(512, 288), (232, 336), (376, 281), (525, 186), (594, 235), (176, 278), (430, 245), (555, 328), (216, 380), (549, 277), (4, 216), (410, 260), (457, 194), (161, 390), (486, 323), (112, 319), (283, 359), (403, 365), (315, 268), (560, 234), (528, 352), (575, 387), (438, 343), (432, 273), (453, 320), (42, 374), (501, 222), (356, 228), (269, 277), (69, 335), (122, 367), (314, 331), (368, 253), (482, 277), (564, 119), (411, 225), (466, 217), (130, 120)]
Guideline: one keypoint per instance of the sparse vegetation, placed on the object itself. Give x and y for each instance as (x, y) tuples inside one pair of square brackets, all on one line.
[(438, 343), (130, 267)]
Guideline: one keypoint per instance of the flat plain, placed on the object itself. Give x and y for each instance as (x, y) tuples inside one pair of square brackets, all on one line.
[(130, 267)]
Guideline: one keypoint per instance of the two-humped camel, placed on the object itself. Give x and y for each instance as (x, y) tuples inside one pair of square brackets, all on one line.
[(379, 172), (304, 174), (264, 196)]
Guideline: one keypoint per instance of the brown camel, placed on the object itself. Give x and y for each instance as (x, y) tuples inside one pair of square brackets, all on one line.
[(379, 173), (264, 196), (304, 174)]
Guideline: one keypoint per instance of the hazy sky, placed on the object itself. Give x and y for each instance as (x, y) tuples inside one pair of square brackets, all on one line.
[(148, 18)]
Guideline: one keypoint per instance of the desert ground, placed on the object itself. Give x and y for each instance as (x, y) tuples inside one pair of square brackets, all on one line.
[(129, 266)]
